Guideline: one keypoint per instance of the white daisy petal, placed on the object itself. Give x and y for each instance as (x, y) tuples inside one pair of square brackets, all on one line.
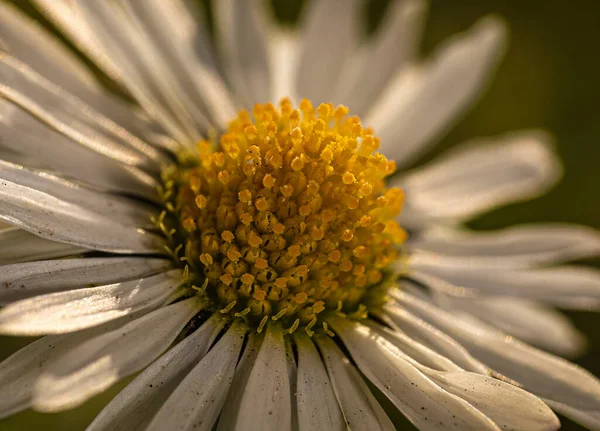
[(540, 373), (136, 405), (513, 247), (57, 220), (440, 285), (589, 419), (330, 35), (96, 364), (25, 135), (414, 351), (40, 50), (360, 408), (528, 321), (391, 48), (243, 371), (156, 34), (61, 13), (317, 405), (284, 51), (142, 70), (21, 246), (73, 310), (22, 159), (574, 287), (25, 39), (412, 113), (197, 401), (20, 371), (509, 407), (436, 340), (424, 403), (124, 211), (72, 117), (24, 280), (479, 176), (266, 402), (177, 30), (243, 39)]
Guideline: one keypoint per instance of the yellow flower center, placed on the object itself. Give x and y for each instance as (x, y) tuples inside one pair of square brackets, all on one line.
[(287, 217)]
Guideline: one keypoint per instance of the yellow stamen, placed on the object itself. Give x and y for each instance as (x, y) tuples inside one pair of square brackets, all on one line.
[(290, 213), (262, 324)]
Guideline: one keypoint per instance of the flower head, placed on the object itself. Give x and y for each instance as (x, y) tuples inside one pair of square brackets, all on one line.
[(255, 268), (289, 220)]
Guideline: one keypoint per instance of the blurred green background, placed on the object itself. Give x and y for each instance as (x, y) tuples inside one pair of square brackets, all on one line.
[(549, 79)]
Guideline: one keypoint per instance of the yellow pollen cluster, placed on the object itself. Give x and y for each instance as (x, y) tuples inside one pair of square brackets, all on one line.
[(288, 217)]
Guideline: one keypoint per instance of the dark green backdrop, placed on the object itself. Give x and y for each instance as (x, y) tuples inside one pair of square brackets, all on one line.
[(549, 79)]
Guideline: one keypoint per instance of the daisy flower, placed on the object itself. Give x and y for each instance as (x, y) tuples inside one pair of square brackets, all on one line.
[(244, 235)]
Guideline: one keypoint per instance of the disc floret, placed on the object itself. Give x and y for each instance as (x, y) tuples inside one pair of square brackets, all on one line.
[(287, 218)]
